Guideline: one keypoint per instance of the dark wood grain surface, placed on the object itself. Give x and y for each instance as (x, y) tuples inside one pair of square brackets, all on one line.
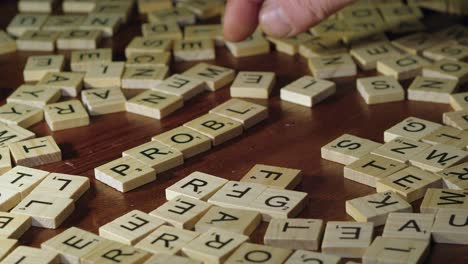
[(291, 137)]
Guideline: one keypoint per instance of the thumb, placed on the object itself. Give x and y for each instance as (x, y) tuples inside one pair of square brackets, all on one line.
[(286, 18)]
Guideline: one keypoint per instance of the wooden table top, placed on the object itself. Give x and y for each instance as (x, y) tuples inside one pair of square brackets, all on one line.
[(291, 137)]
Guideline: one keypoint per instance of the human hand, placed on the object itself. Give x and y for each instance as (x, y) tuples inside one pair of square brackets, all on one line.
[(279, 18)]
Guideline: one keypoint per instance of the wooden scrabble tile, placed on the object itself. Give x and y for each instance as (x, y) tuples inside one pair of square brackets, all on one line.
[(437, 199), (247, 113), (156, 155), (34, 95), (400, 149), (37, 40), (125, 174), (142, 77), (114, 252), (256, 253), (24, 254), (78, 6), (370, 169), (290, 45), (103, 101), (72, 244), (5, 160), (367, 56), (154, 104), (438, 157), (25, 22), (22, 179), (457, 119), (179, 15), (9, 198), (20, 115), (409, 226), (256, 44), (70, 83), (307, 91), (429, 89), (416, 43), (107, 24), (253, 84), (218, 128), (46, 211), (76, 39), (162, 30), (63, 185), (130, 228), (194, 50), (38, 66), (36, 6), (6, 246), (64, 115), (359, 13), (447, 50), (455, 177), (206, 31), (278, 203), (203, 9), (62, 22), (274, 177), (303, 256), (448, 136), (328, 67), (35, 152), (347, 239), (147, 6), (185, 140), (121, 9), (347, 149), (330, 28), (166, 258), (181, 85), (380, 89), (238, 195), (182, 211), (447, 69), (322, 47), (166, 240), (214, 77), (213, 246), (396, 250), (105, 75), (450, 227), (81, 60), (407, 26), (7, 44), (233, 220), (149, 44), (458, 101), (403, 67), (411, 128), (148, 59), (376, 207), (13, 225), (294, 233), (392, 12), (197, 185)]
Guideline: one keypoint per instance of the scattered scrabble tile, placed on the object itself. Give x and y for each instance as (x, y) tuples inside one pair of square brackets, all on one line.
[(22, 179), (459, 101), (233, 220), (38, 66), (76, 39), (142, 45), (403, 67), (400, 149), (450, 227), (121, 9), (367, 56), (35, 152), (303, 256), (130, 228), (332, 66), (330, 28), (148, 59), (125, 174), (5, 160), (156, 155), (347, 149), (290, 45), (370, 169), (218, 128), (238, 195), (36, 6), (193, 50), (380, 89), (142, 77), (447, 50), (256, 44), (7, 44), (6, 246), (166, 240), (203, 9), (294, 233), (307, 91), (105, 75), (182, 211), (321, 47), (9, 198), (396, 250), (206, 31), (411, 128), (376, 207), (197, 185), (180, 85), (39, 40), (13, 133), (185, 140), (253, 84), (81, 60), (256, 253), (176, 15), (13, 225), (455, 177), (437, 199), (162, 30), (64, 115), (25, 22), (63, 185), (278, 203), (409, 226), (107, 252), (147, 6), (34, 95), (416, 43), (347, 239), (24, 254), (214, 77), (457, 119), (154, 104), (70, 83), (20, 115), (78, 6), (46, 211), (107, 24), (430, 89), (397, 11), (438, 157), (447, 69), (166, 258), (247, 113), (272, 176), (103, 101), (448, 136)]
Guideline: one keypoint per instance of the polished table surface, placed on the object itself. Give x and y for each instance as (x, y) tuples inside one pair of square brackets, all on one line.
[(290, 137)]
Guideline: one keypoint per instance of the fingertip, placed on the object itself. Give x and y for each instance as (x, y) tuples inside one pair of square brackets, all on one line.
[(240, 19)]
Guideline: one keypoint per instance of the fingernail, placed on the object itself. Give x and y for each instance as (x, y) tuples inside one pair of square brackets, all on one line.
[(273, 20)]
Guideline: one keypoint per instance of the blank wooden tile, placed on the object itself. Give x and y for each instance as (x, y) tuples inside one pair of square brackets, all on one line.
[(400, 149), (24, 254), (103, 101), (107, 24), (218, 128), (294, 233), (156, 155), (436, 199), (409, 226), (380, 89), (6, 246), (410, 128), (194, 50), (214, 77), (447, 69), (76, 39), (22, 179), (214, 246), (403, 67), (81, 60), (46, 211), (457, 119), (234, 220), (7, 44), (70, 83), (253, 84), (290, 45), (166, 240), (347, 149), (247, 113), (253, 45), (303, 257), (105, 75), (181, 211), (376, 207), (13, 225), (448, 136), (154, 104), (307, 91), (9, 198), (162, 30), (148, 59), (186, 140), (450, 227), (36, 6), (166, 258), (181, 85), (142, 45), (455, 177), (238, 195), (179, 15), (396, 250), (411, 183), (416, 43), (370, 169), (142, 77), (438, 157), (429, 89), (197, 185), (108, 252), (125, 174), (34, 95), (257, 253), (206, 31), (449, 50), (38, 66), (328, 67), (130, 228), (5, 160), (347, 239), (63, 185), (25, 22), (147, 6), (459, 101), (278, 203), (64, 115), (367, 56), (37, 40), (272, 176), (35, 152), (20, 115)]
